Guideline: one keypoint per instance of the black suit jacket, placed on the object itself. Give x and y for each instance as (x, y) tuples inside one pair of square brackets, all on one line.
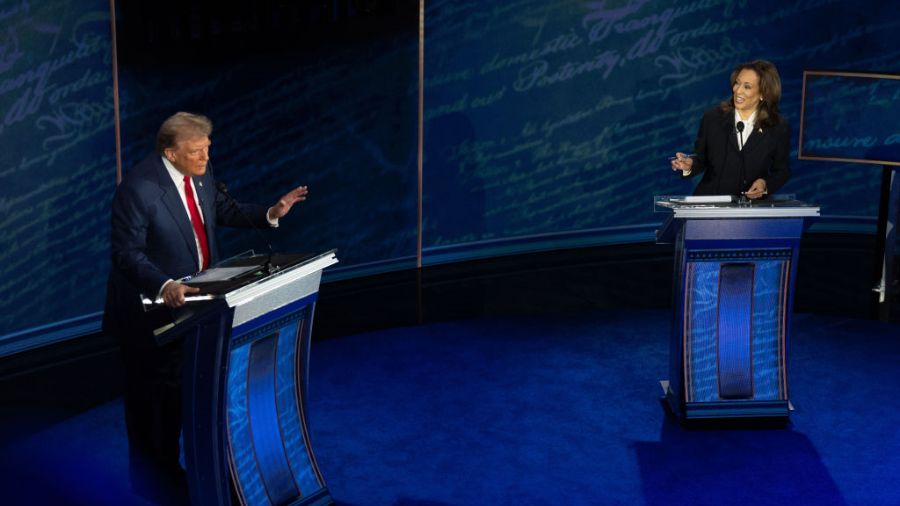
[(718, 160), (153, 241)]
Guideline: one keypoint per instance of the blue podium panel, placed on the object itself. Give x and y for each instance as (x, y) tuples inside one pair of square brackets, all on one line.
[(734, 328), (246, 362), (735, 367), (733, 292), (270, 455)]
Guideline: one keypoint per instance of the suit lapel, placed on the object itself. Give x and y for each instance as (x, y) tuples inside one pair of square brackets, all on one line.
[(172, 200), (730, 132), (750, 141), (755, 139), (207, 197)]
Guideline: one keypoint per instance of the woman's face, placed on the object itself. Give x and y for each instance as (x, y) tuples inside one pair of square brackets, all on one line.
[(745, 91)]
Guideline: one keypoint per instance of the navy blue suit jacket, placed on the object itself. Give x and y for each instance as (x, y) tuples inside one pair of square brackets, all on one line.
[(766, 155), (152, 237)]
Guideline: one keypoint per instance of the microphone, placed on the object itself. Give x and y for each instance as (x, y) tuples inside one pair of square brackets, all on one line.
[(740, 128), (221, 188)]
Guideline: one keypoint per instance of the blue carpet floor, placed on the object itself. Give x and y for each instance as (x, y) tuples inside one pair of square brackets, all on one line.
[(549, 410)]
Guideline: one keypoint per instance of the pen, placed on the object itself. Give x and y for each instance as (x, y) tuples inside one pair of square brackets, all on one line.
[(685, 156)]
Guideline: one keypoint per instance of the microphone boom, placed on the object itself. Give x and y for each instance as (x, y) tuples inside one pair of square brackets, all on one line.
[(221, 188)]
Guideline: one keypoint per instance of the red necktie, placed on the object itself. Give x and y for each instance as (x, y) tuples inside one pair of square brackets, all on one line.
[(196, 221)]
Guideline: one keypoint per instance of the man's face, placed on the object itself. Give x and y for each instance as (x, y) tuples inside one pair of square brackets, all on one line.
[(190, 155)]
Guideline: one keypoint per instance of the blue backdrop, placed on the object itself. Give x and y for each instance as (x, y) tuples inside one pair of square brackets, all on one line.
[(57, 161), (546, 124), (554, 117)]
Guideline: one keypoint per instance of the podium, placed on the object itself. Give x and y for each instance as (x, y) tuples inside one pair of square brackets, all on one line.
[(733, 288), (246, 357)]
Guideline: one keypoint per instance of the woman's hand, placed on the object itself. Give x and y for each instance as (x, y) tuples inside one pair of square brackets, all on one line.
[(757, 189), (683, 163)]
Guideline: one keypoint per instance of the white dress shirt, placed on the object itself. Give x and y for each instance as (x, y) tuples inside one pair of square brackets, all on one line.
[(748, 128), (749, 124), (178, 179)]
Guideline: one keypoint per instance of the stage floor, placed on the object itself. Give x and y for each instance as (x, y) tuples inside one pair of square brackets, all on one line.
[(549, 409)]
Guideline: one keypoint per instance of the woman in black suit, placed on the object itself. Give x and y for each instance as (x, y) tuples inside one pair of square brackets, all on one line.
[(743, 144)]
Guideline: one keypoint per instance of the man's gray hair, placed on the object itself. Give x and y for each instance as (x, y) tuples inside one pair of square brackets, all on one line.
[(179, 126)]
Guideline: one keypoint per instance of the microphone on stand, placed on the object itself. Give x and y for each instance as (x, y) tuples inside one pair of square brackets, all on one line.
[(740, 128), (269, 268)]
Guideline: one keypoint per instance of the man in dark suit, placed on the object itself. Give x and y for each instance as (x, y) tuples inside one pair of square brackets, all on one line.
[(164, 218), (743, 145)]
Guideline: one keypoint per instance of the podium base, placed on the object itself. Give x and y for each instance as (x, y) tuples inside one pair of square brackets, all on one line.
[(725, 409)]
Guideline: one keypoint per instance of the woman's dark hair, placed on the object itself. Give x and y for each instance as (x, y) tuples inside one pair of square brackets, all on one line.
[(767, 114)]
